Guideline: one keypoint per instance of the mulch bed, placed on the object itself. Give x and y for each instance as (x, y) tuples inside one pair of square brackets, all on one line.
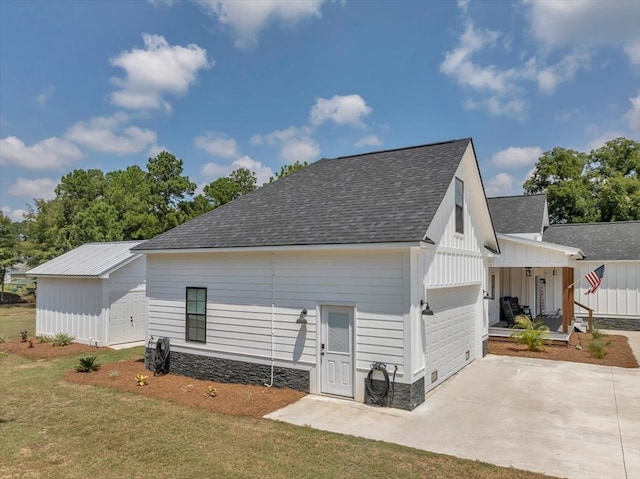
[(619, 353), (234, 399), (44, 350)]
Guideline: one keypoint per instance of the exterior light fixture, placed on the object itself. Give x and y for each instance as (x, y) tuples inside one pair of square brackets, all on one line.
[(528, 271), (302, 319), (555, 272), (486, 294), (427, 310)]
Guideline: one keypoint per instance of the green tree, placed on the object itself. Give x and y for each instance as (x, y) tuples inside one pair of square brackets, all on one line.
[(616, 168), (286, 170), (601, 186), (8, 249), (129, 192), (228, 188), (562, 175)]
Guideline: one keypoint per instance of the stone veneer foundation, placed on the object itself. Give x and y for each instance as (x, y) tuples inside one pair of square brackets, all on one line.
[(232, 371), (405, 396)]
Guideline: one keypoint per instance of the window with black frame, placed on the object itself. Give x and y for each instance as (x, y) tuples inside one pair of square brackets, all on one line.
[(197, 314)]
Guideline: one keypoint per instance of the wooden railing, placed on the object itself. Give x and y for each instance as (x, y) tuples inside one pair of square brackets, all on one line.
[(590, 314)]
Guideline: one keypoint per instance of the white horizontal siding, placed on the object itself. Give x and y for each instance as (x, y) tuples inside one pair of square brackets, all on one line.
[(242, 286), (72, 306), (619, 293)]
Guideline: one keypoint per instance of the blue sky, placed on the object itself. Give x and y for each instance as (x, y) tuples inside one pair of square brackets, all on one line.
[(225, 84)]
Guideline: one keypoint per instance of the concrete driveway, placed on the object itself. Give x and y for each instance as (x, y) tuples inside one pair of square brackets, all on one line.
[(559, 418)]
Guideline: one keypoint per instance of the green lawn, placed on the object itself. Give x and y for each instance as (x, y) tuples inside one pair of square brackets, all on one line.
[(49, 429), (14, 319)]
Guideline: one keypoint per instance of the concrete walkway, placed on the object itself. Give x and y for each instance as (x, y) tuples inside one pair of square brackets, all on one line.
[(564, 419)]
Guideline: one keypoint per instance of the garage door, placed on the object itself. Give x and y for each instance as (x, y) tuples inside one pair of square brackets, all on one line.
[(449, 332), (127, 316)]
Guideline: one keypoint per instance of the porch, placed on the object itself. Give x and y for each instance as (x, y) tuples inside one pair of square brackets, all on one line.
[(501, 331)]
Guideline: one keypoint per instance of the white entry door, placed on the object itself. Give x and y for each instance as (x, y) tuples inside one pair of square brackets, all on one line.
[(337, 350), (127, 317)]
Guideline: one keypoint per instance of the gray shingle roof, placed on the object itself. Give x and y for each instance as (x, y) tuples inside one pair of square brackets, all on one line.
[(91, 259), (619, 240), (380, 197), (517, 214)]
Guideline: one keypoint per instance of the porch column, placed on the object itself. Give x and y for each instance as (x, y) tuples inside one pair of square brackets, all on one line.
[(567, 298)]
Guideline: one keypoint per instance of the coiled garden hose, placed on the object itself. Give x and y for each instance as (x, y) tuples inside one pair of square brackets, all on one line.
[(379, 394), (161, 359)]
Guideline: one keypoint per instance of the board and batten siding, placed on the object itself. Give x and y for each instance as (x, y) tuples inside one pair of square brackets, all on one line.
[(70, 305), (619, 294), (241, 288)]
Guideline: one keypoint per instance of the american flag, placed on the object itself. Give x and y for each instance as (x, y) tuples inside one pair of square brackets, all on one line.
[(595, 278)]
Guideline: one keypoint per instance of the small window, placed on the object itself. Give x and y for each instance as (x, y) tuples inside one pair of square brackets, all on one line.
[(459, 206), (197, 314)]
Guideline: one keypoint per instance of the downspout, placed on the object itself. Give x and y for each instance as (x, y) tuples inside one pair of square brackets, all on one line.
[(273, 307)]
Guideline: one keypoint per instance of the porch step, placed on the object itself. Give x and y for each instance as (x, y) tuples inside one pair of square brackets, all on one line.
[(504, 334)]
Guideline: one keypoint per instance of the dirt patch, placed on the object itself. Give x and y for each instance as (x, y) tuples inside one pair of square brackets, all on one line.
[(234, 399), (618, 354), (45, 350)]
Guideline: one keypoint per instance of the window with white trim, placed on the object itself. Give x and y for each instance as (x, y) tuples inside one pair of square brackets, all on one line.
[(196, 312)]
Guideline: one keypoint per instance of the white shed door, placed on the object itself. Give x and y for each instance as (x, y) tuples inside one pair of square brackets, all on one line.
[(449, 332), (127, 316)]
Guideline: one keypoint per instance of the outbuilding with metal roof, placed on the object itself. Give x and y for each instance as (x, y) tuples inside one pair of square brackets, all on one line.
[(96, 293)]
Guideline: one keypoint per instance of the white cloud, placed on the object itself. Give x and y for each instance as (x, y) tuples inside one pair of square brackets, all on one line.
[(463, 5), (581, 23), (549, 77), (154, 150), (566, 115), (371, 140), (516, 157), (217, 144), (47, 154), (633, 115), (213, 170), (15, 215), (155, 71), (341, 109), (40, 188), (500, 185), (110, 134), (296, 144), (248, 18), (43, 97), (602, 138)]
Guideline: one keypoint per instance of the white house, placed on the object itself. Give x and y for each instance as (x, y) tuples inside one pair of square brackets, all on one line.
[(95, 292), (539, 264), (306, 282), (615, 245)]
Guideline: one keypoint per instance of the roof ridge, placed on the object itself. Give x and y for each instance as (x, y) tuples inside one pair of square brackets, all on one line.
[(516, 196), (596, 223), (399, 149)]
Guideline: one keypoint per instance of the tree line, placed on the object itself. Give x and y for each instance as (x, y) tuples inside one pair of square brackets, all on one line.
[(130, 204)]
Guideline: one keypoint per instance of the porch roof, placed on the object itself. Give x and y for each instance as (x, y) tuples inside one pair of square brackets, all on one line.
[(522, 252)]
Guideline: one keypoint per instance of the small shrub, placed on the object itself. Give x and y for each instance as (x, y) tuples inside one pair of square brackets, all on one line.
[(141, 379), (598, 333), (114, 374), (3, 339), (62, 339), (24, 334), (532, 333), (598, 347), (87, 364), (43, 339), (211, 392)]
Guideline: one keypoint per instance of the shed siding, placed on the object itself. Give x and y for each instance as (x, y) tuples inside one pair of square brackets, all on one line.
[(72, 306), (131, 277), (619, 293), (241, 288)]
